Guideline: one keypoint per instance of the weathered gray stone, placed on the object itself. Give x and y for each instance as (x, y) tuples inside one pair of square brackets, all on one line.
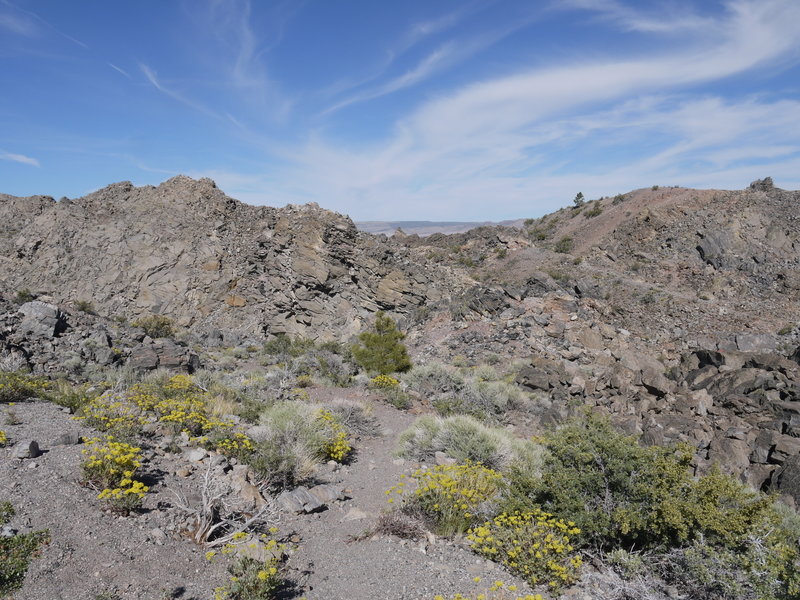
[(42, 319), (26, 449), (67, 439), (195, 454), (300, 500), (752, 342)]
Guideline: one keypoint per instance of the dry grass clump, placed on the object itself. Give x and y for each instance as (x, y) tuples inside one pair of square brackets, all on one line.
[(478, 392), (293, 439), (398, 524), (466, 439)]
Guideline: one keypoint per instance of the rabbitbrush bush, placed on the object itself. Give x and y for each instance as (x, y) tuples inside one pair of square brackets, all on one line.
[(175, 401), (532, 544), (251, 579), (111, 467), (450, 497), (18, 387)]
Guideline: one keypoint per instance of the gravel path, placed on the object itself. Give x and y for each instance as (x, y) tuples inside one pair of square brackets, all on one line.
[(95, 555)]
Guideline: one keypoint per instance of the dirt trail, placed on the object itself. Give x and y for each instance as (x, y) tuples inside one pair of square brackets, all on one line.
[(94, 554), (380, 567)]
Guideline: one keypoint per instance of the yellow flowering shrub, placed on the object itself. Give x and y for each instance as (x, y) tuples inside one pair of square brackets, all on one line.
[(251, 579), (450, 495), (533, 544), (337, 445), (3, 438), (236, 444), (18, 387), (179, 402), (114, 415), (111, 465), (384, 382)]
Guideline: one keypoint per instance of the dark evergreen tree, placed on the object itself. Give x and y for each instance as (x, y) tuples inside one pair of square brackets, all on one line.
[(381, 350)]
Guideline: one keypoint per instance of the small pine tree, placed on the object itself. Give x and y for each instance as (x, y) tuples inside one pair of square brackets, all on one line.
[(579, 200), (381, 350)]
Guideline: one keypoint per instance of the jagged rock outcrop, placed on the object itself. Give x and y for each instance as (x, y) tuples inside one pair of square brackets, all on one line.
[(186, 250)]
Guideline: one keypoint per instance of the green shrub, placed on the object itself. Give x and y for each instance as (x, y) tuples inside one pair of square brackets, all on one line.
[(381, 350), (564, 245), (397, 397), (24, 295), (156, 326), (595, 211), (70, 396), (85, 306), (283, 346), (16, 552), (624, 495)]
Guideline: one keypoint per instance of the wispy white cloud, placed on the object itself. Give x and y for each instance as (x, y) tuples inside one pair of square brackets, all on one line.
[(445, 56), (18, 24), (152, 77), (19, 158), (520, 137), (431, 64), (120, 70), (666, 17), (27, 23), (245, 51)]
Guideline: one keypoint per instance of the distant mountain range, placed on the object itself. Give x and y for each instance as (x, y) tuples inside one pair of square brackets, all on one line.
[(424, 228)]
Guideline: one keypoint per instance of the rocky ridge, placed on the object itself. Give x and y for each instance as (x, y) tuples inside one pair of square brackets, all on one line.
[(185, 250)]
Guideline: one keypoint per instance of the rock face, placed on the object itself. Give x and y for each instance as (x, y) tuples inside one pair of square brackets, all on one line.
[(186, 250)]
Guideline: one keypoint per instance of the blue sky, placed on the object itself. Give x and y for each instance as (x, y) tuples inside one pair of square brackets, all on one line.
[(445, 110)]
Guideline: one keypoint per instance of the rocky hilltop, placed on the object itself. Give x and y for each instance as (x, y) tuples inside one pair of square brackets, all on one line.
[(186, 250)]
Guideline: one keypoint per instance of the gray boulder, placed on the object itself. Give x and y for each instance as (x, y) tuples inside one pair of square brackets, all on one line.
[(42, 319)]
